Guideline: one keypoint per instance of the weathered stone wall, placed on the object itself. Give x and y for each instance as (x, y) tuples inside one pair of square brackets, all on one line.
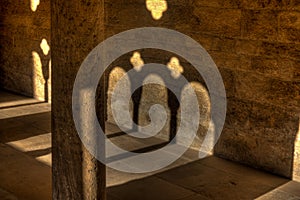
[(24, 47), (256, 46)]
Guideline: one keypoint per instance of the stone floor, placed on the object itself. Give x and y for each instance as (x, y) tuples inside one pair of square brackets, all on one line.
[(25, 166)]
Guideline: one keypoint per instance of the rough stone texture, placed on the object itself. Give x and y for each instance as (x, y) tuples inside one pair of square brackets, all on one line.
[(256, 46), (254, 43), (77, 27), (25, 67), (158, 94)]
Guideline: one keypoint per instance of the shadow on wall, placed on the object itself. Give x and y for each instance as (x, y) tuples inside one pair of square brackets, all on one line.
[(144, 97), (279, 143), (25, 51)]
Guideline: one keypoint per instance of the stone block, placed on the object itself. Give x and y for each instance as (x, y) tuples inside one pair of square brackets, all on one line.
[(238, 113), (250, 148), (219, 21), (260, 25), (231, 61), (276, 68), (268, 4), (289, 26), (228, 80), (217, 3), (261, 89), (296, 74), (226, 45), (248, 47), (281, 50), (263, 116)]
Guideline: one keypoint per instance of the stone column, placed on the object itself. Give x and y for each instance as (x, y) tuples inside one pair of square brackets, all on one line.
[(77, 27)]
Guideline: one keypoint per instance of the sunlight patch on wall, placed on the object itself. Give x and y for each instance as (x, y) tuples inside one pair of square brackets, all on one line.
[(49, 82), (296, 168), (41, 72), (38, 79), (115, 75), (137, 61), (45, 47), (175, 67), (157, 8), (204, 108), (34, 4)]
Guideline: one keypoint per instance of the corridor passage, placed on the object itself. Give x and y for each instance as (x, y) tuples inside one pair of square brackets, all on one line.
[(25, 165)]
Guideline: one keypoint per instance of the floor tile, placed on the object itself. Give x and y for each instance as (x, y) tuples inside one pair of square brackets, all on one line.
[(5, 195), (291, 187), (195, 197), (149, 189), (26, 152), (23, 175), (245, 172), (20, 132), (213, 183), (278, 195), (8, 99)]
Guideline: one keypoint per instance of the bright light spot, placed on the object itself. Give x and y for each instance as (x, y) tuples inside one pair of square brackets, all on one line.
[(137, 61), (22, 109), (157, 7), (38, 79), (34, 143), (175, 67), (49, 82), (34, 4), (296, 167), (46, 159), (204, 120), (115, 75), (45, 47)]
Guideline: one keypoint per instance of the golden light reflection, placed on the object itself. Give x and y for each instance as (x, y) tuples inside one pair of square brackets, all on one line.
[(137, 61), (296, 167), (175, 67), (34, 4), (49, 81), (34, 144), (38, 79), (204, 120), (115, 75), (157, 8), (45, 47)]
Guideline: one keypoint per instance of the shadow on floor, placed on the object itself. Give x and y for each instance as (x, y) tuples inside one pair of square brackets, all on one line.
[(25, 169), (25, 148), (209, 178)]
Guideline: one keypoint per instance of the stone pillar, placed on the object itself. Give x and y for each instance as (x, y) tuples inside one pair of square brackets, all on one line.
[(77, 27)]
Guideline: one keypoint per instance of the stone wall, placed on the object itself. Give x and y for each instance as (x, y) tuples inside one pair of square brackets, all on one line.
[(256, 46), (24, 47)]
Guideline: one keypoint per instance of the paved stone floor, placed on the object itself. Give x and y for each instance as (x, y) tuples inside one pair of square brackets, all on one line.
[(25, 165)]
